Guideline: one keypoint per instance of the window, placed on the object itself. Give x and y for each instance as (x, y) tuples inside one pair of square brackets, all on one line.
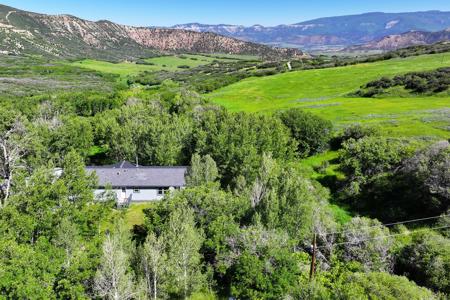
[(162, 191), (136, 191)]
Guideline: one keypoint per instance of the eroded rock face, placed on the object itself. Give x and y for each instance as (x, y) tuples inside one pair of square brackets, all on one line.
[(69, 36)]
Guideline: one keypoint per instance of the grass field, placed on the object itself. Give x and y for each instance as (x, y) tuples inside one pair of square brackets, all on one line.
[(167, 63), (324, 92)]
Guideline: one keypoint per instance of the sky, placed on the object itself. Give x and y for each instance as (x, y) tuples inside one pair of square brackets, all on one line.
[(242, 12)]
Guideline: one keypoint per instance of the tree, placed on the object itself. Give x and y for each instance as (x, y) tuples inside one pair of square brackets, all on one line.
[(26, 271), (365, 241), (12, 151), (428, 173), (114, 279), (183, 243), (284, 199), (407, 186), (153, 262), (79, 184), (145, 136), (368, 163), (203, 170), (361, 159), (356, 132), (260, 263), (237, 141), (426, 260), (311, 132), (74, 134)]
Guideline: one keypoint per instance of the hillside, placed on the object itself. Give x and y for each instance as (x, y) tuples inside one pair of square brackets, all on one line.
[(325, 91), (407, 39), (333, 31), (67, 36)]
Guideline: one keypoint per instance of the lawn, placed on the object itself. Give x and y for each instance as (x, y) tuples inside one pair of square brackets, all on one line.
[(325, 91), (134, 215)]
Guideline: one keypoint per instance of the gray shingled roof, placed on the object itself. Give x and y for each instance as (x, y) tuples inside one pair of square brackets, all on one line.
[(126, 174)]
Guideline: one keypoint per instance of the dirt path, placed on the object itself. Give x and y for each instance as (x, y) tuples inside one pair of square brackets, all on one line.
[(8, 14)]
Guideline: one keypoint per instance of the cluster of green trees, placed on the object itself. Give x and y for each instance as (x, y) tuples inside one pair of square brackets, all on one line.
[(253, 242), (387, 179), (431, 82), (244, 224)]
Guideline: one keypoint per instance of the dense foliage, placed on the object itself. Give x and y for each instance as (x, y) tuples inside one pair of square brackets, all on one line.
[(387, 181), (433, 82), (244, 224), (311, 132)]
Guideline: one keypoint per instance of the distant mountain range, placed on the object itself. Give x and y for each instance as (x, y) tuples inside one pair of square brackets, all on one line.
[(341, 31), (67, 36), (412, 38)]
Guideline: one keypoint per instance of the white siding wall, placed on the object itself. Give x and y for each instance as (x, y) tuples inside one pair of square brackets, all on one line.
[(144, 195)]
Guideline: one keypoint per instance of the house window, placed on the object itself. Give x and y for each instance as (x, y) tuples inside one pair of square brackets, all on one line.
[(162, 191), (136, 191)]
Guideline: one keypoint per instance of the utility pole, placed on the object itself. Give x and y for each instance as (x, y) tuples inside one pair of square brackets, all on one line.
[(312, 270)]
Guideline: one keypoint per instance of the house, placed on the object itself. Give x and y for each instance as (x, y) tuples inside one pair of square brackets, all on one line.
[(132, 183)]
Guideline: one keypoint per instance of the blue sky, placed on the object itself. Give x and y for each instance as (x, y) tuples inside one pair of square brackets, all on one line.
[(246, 12)]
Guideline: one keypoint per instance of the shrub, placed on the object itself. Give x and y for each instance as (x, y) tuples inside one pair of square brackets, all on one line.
[(381, 286), (417, 82), (310, 131), (356, 132), (427, 261)]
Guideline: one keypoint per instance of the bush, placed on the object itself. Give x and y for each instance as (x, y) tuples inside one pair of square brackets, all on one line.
[(144, 62), (361, 159), (356, 132), (381, 286), (310, 131), (436, 81), (387, 182), (427, 261)]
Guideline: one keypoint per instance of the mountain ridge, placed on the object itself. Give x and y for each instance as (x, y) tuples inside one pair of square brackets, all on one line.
[(68, 36), (343, 31)]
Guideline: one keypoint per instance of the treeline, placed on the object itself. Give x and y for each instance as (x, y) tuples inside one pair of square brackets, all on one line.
[(244, 224), (432, 82)]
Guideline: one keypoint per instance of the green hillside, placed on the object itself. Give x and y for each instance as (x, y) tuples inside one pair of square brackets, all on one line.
[(325, 91), (171, 63)]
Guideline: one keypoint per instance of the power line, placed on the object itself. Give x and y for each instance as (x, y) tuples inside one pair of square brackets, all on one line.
[(392, 224), (385, 236)]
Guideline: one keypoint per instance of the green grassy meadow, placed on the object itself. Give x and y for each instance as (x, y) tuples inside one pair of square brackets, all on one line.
[(162, 63), (324, 92)]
